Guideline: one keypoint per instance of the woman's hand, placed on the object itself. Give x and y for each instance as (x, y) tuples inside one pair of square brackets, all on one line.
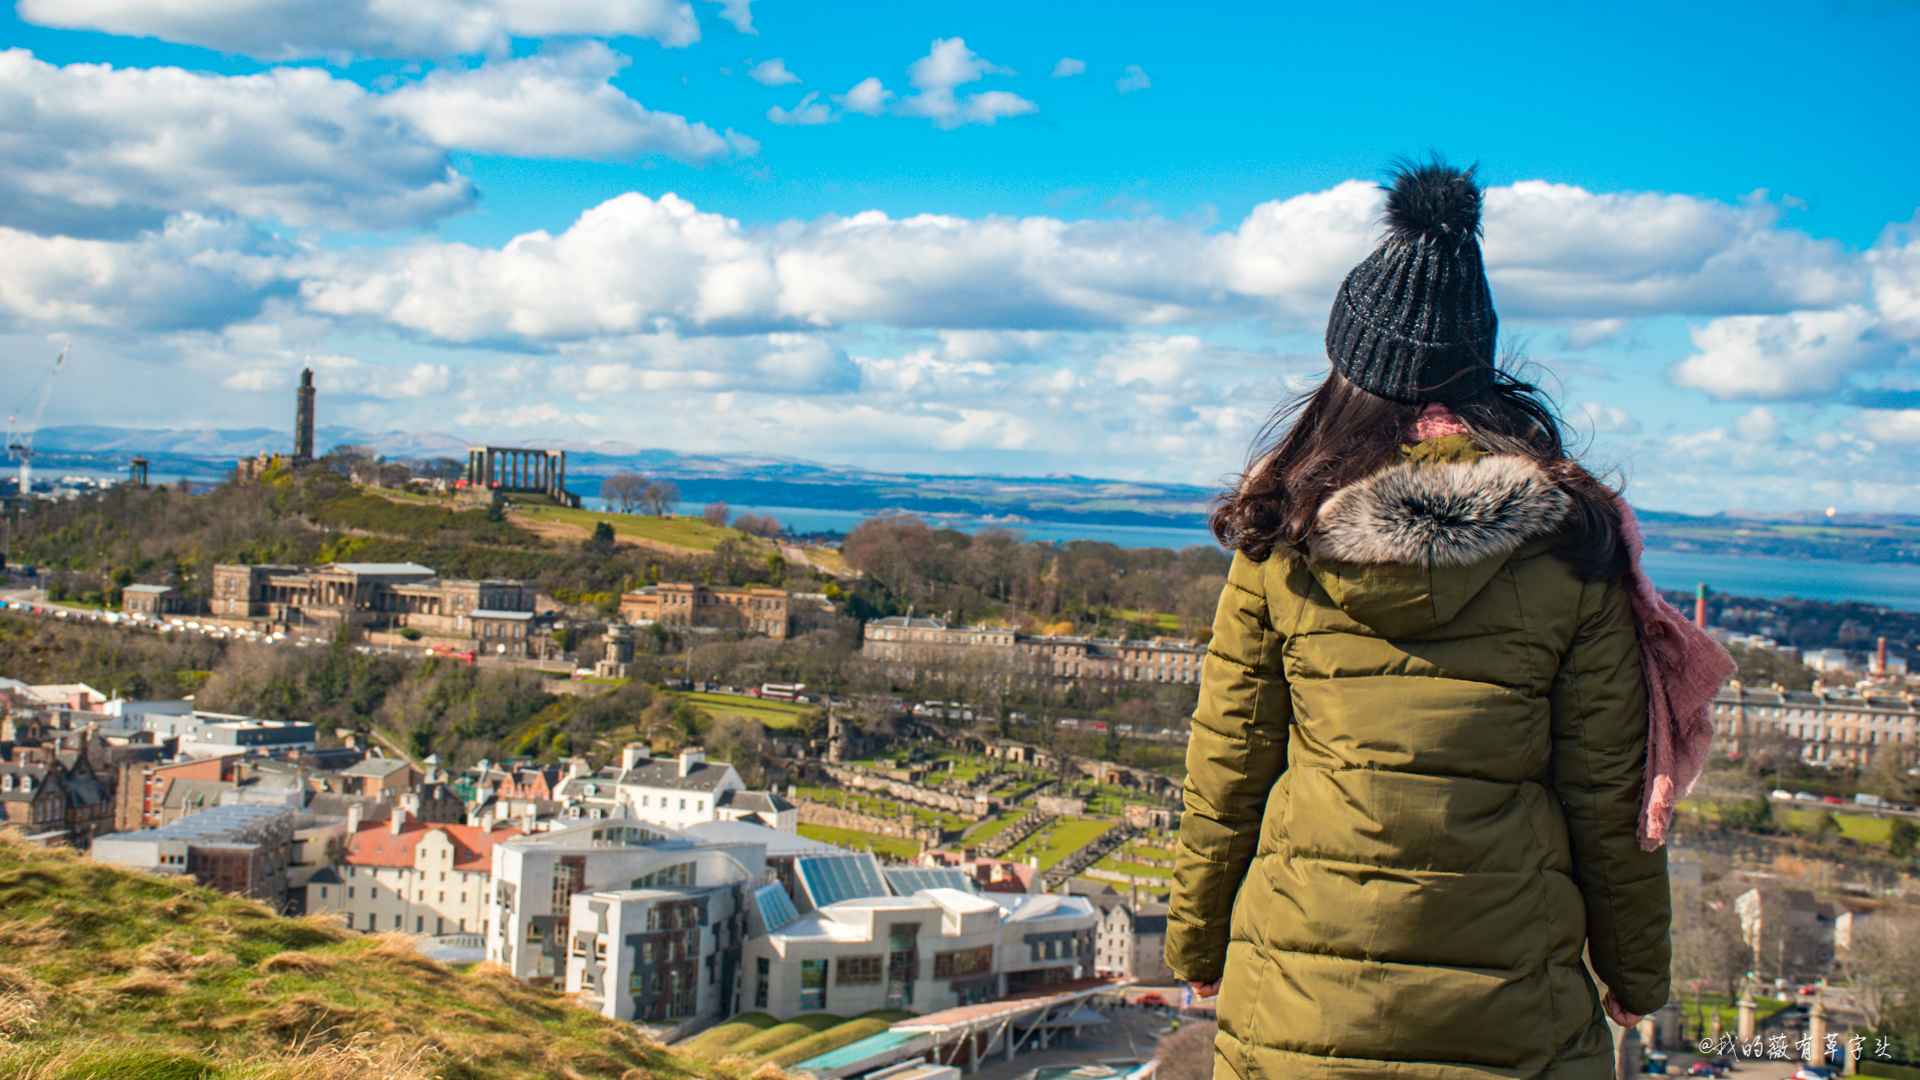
[(1619, 1015), (1205, 989)]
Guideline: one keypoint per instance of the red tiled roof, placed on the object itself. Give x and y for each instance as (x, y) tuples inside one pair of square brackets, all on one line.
[(375, 844)]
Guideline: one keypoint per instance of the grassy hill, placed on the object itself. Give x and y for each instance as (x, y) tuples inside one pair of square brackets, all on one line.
[(107, 974)]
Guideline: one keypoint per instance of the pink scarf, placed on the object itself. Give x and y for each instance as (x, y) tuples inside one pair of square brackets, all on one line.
[(1683, 667)]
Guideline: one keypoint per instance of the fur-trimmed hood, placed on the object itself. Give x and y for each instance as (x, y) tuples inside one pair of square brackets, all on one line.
[(1406, 548), (1446, 514)]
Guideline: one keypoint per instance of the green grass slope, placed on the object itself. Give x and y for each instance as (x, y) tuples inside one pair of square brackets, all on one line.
[(108, 974)]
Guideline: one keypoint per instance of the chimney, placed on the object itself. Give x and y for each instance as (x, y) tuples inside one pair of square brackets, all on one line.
[(638, 753), (578, 767), (353, 820), (1880, 657), (396, 821), (410, 803), (1700, 606), (690, 757)]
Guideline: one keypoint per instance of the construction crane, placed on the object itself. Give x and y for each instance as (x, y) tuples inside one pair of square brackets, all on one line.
[(20, 439)]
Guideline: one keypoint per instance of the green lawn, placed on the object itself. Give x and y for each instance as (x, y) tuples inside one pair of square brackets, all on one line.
[(1802, 817), (1856, 827), (993, 828), (1057, 841), (1133, 868), (681, 530), (860, 841), (774, 715)]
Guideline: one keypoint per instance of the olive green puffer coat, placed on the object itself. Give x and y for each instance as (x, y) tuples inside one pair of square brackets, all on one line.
[(1412, 788)]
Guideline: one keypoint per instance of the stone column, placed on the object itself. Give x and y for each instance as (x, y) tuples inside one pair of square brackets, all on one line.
[(1853, 1060), (1817, 1031), (1746, 1016)]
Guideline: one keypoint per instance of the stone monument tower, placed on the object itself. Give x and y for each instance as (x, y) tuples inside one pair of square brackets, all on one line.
[(303, 421)]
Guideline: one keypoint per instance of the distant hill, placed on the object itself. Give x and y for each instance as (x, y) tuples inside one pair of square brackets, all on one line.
[(773, 480), (114, 973)]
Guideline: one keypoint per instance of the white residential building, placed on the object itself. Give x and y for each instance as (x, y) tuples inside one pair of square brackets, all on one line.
[(853, 938), (677, 792), (432, 880)]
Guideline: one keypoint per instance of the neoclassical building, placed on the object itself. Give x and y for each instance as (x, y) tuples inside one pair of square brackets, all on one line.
[(902, 642), (1829, 726), (385, 596)]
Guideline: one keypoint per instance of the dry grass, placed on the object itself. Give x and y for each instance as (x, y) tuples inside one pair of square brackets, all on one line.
[(117, 974)]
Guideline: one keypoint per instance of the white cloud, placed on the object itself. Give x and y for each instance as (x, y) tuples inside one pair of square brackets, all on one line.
[(651, 363), (867, 96), (947, 65), (1775, 357), (1592, 332), (1896, 282), (196, 272), (772, 73), (807, 112), (417, 29), (1133, 79), (1068, 67), (1900, 426), (739, 13), (557, 105), (1758, 425), (1606, 419), (1558, 250), (90, 150)]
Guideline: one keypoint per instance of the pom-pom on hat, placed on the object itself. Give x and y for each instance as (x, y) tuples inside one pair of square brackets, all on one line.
[(1415, 322)]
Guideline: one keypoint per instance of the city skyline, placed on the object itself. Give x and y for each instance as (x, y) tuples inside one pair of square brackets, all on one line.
[(959, 242)]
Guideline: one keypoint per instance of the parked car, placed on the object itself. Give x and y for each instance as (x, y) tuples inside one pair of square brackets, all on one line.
[(1813, 1072), (1806, 796), (1834, 800), (1150, 1001), (1778, 794), (1702, 1068)]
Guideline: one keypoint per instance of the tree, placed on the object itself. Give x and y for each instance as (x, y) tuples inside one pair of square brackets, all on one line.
[(602, 540), (716, 514), (1902, 838), (1708, 945), (342, 459), (1886, 775), (661, 497), (625, 490)]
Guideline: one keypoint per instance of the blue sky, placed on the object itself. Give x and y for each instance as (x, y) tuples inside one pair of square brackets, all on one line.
[(962, 238)]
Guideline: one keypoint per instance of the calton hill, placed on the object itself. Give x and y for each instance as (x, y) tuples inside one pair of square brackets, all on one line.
[(1077, 780)]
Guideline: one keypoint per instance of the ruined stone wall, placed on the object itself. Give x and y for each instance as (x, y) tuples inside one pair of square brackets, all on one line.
[(833, 817)]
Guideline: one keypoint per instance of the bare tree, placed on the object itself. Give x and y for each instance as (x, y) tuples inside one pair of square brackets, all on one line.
[(1881, 958), (343, 458), (758, 525), (716, 514), (1708, 945), (625, 490), (661, 496)]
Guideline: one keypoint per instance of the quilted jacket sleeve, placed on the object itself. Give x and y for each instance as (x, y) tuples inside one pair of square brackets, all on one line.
[(1599, 704), (1235, 754)]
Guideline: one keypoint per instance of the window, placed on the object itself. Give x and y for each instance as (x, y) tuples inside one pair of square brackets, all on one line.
[(961, 963), (323, 892), (536, 933), (813, 984), (373, 893), (859, 970), (683, 804), (396, 922), (349, 892), (763, 976)]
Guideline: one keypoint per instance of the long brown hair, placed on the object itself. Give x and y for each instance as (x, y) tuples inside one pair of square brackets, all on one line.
[(1325, 440)]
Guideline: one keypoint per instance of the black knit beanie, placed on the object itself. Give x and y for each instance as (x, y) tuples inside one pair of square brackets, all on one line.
[(1414, 322)]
